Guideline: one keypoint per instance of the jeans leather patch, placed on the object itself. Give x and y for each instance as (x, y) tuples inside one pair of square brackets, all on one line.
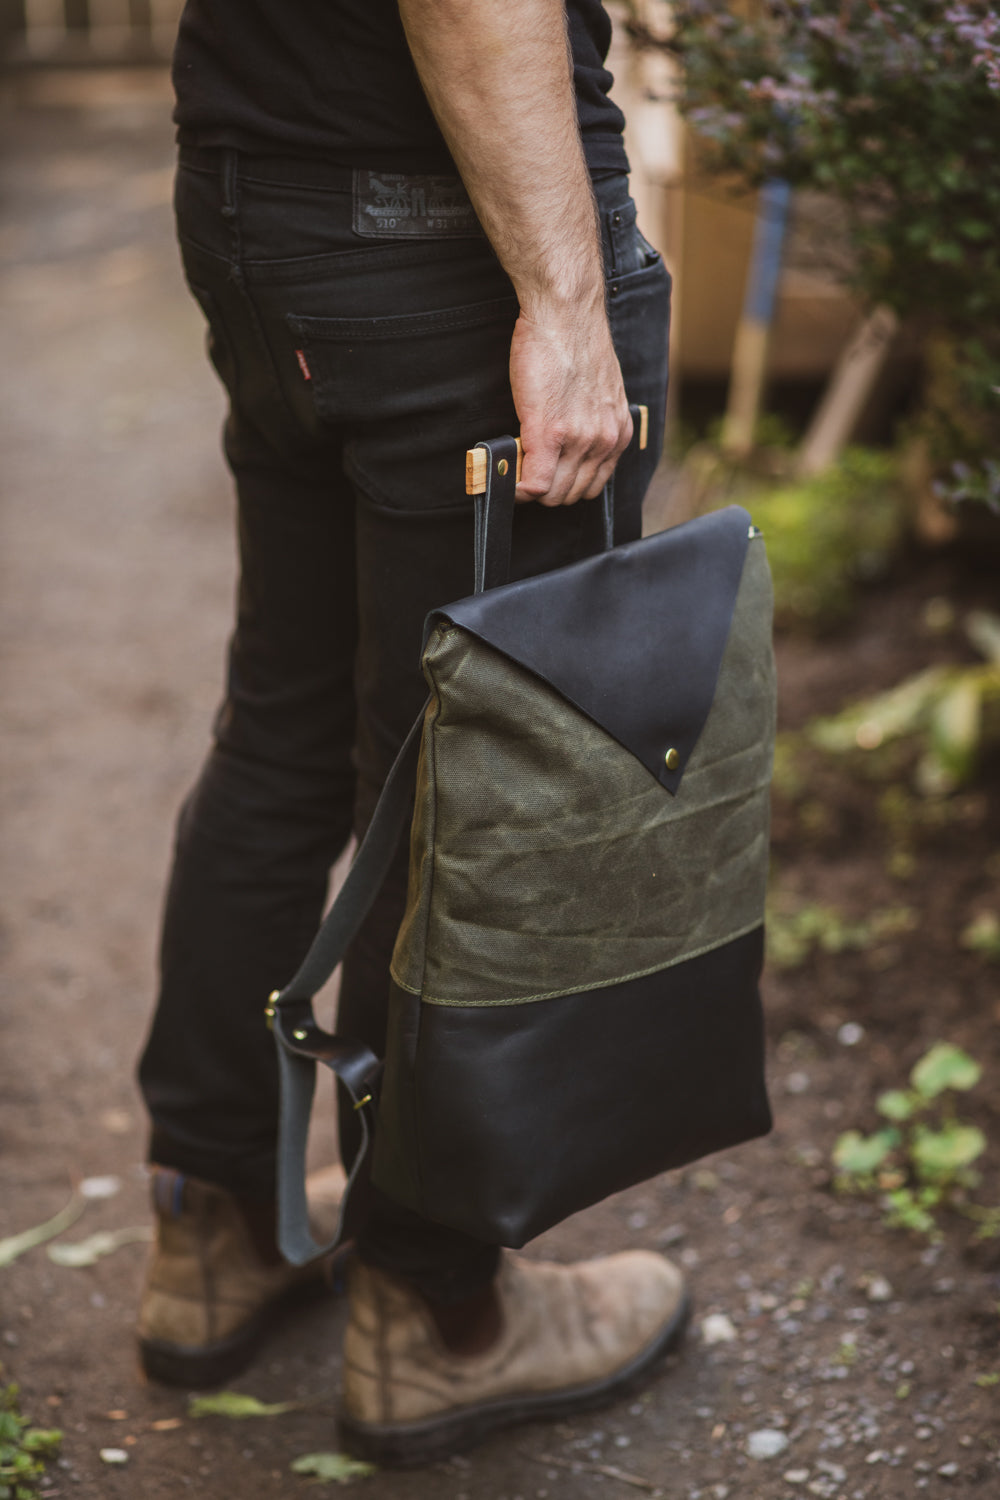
[(407, 205)]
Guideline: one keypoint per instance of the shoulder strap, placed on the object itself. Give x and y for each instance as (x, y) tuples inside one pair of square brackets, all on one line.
[(302, 1043)]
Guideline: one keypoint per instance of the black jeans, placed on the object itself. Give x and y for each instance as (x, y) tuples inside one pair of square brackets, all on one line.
[(359, 370)]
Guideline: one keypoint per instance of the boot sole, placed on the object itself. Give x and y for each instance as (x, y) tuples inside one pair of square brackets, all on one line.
[(200, 1366), (408, 1445)]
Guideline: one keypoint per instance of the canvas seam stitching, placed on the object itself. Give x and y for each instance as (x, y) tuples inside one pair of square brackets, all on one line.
[(582, 989)]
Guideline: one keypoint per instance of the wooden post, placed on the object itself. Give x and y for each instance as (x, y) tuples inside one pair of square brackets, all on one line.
[(849, 387)]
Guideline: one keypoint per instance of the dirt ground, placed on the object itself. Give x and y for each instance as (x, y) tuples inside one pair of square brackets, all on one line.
[(859, 1347)]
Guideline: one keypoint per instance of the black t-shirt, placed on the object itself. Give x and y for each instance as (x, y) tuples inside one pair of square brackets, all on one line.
[(335, 78)]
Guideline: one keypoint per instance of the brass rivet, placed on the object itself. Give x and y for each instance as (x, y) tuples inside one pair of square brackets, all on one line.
[(502, 467), (362, 1102), (300, 1035), (672, 759)]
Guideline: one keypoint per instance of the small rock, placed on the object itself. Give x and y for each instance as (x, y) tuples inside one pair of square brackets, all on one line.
[(948, 1471), (638, 1220), (836, 1472), (797, 1083), (766, 1443), (879, 1290), (100, 1187), (114, 1456), (850, 1034), (717, 1328), (795, 1476), (672, 1235)]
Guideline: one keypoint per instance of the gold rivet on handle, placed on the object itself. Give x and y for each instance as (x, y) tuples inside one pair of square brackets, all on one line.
[(362, 1102), (502, 467), (672, 759), (300, 1035)]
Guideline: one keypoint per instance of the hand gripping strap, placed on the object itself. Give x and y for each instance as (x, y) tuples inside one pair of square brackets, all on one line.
[(302, 1043), (494, 517)]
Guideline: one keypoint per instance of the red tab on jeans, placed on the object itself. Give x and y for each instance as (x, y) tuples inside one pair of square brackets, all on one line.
[(300, 356)]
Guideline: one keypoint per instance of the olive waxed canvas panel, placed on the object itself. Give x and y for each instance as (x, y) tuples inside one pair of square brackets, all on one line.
[(555, 861)]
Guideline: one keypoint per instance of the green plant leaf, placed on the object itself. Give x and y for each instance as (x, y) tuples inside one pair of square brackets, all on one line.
[(234, 1404), (944, 1067), (955, 734), (859, 1155), (903, 710), (17, 1244), (89, 1251), (982, 935), (983, 630), (895, 1104), (942, 1153), (41, 1439), (906, 1213), (335, 1468)]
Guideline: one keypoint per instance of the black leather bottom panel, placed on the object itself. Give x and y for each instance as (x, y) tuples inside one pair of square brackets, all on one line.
[(514, 1117)]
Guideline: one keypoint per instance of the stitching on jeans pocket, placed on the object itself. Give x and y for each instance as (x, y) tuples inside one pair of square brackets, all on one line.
[(405, 366), (343, 330)]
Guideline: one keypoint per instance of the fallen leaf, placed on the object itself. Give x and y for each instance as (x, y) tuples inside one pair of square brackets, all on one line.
[(87, 1252), (116, 1416), (335, 1468), (233, 1404), (17, 1244), (167, 1424)]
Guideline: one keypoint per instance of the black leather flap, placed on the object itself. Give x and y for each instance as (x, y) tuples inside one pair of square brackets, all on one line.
[(633, 637)]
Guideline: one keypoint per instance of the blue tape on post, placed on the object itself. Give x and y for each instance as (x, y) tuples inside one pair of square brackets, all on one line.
[(768, 241)]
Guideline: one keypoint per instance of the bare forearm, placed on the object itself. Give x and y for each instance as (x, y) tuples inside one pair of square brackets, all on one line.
[(499, 79)]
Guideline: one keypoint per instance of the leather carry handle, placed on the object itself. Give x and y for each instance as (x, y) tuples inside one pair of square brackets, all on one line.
[(492, 471), (476, 461)]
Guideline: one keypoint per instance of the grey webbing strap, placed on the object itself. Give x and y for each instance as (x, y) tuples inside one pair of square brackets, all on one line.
[(302, 1043)]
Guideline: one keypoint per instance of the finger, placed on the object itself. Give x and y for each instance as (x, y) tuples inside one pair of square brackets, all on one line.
[(596, 468), (539, 468)]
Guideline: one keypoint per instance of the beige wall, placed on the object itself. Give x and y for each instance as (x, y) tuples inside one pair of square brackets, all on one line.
[(705, 231)]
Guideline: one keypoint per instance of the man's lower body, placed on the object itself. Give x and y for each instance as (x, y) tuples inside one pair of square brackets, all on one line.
[(359, 370)]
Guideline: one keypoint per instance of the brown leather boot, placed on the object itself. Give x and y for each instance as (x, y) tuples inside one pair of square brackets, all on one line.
[(572, 1337), (216, 1280)]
